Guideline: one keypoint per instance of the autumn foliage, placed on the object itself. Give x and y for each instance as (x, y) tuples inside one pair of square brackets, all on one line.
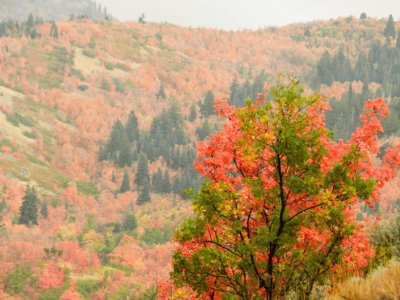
[(278, 214)]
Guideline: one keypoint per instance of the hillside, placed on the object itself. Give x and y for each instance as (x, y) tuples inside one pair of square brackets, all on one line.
[(61, 97)]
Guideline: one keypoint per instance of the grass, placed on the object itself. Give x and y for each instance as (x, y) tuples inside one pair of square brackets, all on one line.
[(87, 188), (383, 283)]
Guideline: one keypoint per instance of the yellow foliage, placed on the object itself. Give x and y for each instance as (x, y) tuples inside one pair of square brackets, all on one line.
[(383, 283)]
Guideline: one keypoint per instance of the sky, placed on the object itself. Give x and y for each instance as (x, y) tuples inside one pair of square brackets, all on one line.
[(242, 14)]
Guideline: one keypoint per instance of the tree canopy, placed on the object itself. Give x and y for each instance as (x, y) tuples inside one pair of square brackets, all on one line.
[(277, 214)]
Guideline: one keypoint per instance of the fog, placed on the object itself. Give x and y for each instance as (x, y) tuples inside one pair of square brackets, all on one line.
[(239, 14)]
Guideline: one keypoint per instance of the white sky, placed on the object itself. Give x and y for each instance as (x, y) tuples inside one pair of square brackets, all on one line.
[(239, 14)]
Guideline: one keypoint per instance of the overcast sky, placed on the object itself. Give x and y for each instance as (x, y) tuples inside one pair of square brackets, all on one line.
[(239, 14)]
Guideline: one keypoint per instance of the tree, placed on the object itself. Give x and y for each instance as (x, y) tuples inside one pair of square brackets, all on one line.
[(142, 173), (207, 107), (277, 214), (161, 93), (132, 128), (363, 16), (398, 40), (192, 113), (29, 208), (54, 30), (390, 30), (144, 193), (129, 224), (125, 184)]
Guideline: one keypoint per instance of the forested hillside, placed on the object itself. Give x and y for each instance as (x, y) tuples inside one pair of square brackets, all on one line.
[(99, 122)]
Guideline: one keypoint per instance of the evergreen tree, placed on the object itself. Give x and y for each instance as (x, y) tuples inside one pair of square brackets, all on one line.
[(142, 173), (166, 188), (44, 210), (54, 30), (132, 128), (144, 193), (390, 30), (207, 107), (29, 208), (129, 223), (125, 155), (203, 131), (157, 181), (125, 186), (161, 92), (192, 114), (363, 16)]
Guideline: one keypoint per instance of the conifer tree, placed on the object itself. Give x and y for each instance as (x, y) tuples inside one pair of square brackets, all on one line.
[(390, 30), (144, 193), (158, 181), (29, 208), (132, 128), (125, 186), (161, 92), (166, 188), (142, 173), (192, 113), (207, 107), (54, 30)]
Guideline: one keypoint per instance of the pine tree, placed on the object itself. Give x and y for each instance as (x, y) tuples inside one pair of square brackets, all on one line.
[(54, 30), (207, 107), (29, 208), (161, 93), (390, 30), (158, 181), (125, 186), (192, 114), (129, 224), (166, 187), (142, 173), (132, 128), (144, 193)]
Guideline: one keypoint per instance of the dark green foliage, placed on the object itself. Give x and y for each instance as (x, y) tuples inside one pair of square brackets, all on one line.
[(207, 106), (192, 113), (154, 236), (129, 224), (118, 148), (380, 64), (86, 287), (54, 30), (132, 128), (142, 172), (166, 131), (29, 208), (161, 93), (363, 16), (144, 192), (166, 183), (390, 30), (125, 187), (157, 181), (16, 281), (204, 131), (239, 93)]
